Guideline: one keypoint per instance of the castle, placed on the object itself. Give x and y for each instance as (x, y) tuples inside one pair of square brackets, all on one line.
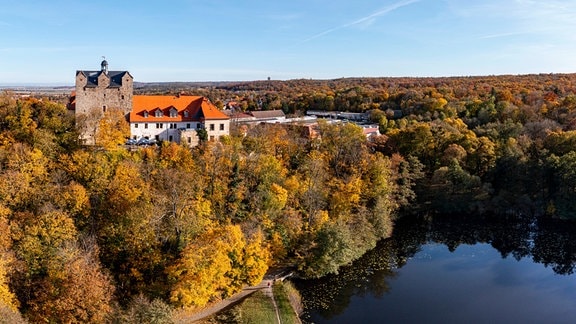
[(162, 118)]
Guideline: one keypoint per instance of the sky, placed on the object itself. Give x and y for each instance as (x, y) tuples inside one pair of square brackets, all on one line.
[(46, 42)]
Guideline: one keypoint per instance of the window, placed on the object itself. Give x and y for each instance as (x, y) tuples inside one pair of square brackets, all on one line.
[(221, 127), (145, 126), (173, 112), (211, 137), (159, 125), (104, 108), (185, 113), (187, 125), (135, 125), (122, 95), (172, 126), (157, 137), (158, 113), (170, 138), (145, 114), (198, 126), (211, 127), (189, 140)]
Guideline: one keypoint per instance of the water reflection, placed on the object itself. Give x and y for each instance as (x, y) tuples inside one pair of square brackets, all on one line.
[(542, 243)]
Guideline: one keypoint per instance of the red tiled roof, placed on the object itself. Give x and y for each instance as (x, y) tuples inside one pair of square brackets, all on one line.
[(197, 108)]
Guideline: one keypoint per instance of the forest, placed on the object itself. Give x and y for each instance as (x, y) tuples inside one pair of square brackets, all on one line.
[(109, 234)]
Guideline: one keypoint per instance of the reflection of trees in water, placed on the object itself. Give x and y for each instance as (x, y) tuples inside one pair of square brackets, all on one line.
[(555, 246), (550, 243)]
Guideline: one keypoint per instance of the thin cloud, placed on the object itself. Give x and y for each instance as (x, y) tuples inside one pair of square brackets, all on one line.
[(503, 35), (363, 19)]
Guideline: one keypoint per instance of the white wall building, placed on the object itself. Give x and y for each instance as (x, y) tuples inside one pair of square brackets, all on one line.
[(176, 118)]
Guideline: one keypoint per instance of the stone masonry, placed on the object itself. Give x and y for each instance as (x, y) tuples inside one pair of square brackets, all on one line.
[(97, 92)]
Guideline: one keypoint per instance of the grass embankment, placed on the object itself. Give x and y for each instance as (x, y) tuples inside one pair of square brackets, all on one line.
[(259, 307), (288, 301)]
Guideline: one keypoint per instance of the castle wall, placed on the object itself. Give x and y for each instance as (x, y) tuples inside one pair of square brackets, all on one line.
[(93, 100)]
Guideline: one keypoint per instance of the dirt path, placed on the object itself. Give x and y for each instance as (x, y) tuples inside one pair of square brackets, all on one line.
[(210, 310), (270, 293), (221, 305)]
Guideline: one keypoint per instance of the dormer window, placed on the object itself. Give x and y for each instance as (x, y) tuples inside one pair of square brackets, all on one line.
[(185, 113), (145, 114), (158, 113), (173, 112)]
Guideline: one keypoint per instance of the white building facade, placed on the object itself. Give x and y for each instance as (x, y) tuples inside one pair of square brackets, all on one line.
[(176, 119)]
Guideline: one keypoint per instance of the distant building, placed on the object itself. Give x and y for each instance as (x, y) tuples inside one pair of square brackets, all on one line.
[(163, 118), (356, 117), (257, 116), (97, 91)]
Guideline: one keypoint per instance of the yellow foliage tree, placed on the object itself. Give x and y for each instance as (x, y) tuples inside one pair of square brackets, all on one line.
[(255, 260), (125, 187), (113, 129), (201, 273), (38, 237), (215, 265), (7, 298), (345, 196)]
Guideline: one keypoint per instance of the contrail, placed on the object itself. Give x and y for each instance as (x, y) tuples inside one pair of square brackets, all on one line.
[(363, 19)]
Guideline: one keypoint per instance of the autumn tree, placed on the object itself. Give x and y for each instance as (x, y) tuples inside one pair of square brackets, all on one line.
[(112, 130), (74, 290), (211, 267)]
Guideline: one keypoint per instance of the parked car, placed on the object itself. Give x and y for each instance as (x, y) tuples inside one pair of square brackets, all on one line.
[(131, 141), (146, 141)]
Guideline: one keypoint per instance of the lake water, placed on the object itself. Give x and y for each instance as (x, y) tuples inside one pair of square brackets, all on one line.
[(446, 271)]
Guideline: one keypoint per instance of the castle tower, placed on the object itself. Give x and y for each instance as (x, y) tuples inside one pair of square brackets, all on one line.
[(98, 91)]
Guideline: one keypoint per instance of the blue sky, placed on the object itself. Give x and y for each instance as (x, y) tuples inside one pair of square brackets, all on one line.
[(216, 40)]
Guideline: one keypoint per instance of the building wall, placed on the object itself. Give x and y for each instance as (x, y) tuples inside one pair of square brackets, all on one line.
[(173, 131), (189, 137), (217, 128)]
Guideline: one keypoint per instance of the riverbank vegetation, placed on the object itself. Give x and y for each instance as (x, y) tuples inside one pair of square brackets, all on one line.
[(95, 234)]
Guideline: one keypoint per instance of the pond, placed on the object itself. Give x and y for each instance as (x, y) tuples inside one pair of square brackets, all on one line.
[(455, 270)]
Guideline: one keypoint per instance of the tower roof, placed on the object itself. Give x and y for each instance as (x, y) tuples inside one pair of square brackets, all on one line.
[(116, 77)]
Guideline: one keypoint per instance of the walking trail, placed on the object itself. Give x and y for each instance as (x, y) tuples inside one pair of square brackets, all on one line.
[(265, 284)]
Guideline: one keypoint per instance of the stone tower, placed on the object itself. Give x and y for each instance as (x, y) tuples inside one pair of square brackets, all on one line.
[(98, 91)]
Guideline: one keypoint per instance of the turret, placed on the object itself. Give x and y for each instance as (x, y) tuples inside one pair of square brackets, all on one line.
[(104, 67)]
